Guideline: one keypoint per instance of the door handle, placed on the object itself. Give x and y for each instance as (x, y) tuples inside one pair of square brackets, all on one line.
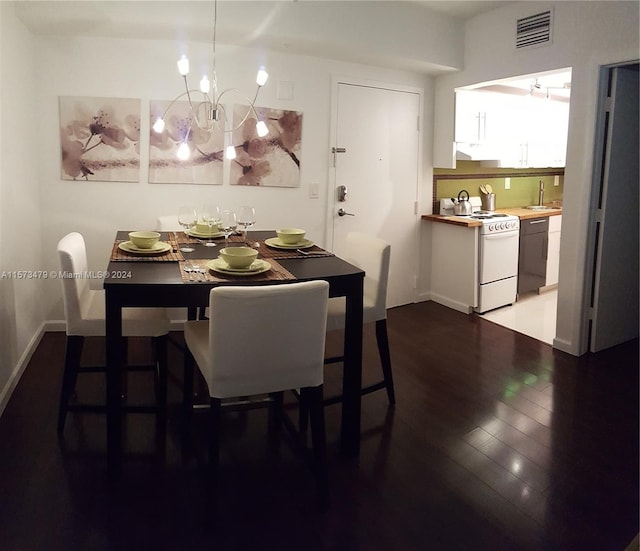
[(342, 212)]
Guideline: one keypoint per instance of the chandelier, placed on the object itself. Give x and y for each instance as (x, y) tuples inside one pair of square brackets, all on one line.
[(209, 113)]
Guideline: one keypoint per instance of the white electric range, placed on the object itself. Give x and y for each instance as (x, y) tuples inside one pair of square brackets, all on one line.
[(499, 239)]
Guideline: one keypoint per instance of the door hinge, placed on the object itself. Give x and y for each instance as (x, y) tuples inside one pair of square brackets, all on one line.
[(415, 207), (335, 150), (418, 123)]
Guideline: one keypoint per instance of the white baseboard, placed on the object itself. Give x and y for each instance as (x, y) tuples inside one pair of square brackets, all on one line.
[(8, 389), (564, 346), (459, 306)]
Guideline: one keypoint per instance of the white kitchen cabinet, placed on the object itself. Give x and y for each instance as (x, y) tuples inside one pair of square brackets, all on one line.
[(487, 118), (517, 131), (547, 139), (553, 251), (454, 266)]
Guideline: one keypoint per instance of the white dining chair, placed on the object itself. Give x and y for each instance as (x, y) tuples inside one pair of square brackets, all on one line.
[(84, 310), (287, 327), (168, 223), (372, 255)]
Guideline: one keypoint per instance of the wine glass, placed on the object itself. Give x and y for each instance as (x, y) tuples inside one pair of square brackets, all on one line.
[(246, 218), (210, 216), (187, 216), (229, 223)]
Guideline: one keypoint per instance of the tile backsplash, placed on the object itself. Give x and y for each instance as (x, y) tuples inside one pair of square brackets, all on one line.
[(524, 183)]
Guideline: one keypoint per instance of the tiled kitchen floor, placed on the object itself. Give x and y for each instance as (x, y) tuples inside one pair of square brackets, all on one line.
[(533, 315)]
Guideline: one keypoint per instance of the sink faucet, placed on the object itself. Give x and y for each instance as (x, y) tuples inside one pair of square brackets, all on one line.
[(540, 193)]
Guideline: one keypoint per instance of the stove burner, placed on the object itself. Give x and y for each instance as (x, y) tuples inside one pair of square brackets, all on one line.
[(486, 214)]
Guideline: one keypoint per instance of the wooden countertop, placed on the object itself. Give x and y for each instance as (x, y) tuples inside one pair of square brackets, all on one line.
[(525, 214), (455, 220), (520, 212)]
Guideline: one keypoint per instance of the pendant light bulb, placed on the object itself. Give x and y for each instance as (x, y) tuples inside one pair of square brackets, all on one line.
[(230, 152), (205, 85), (261, 129), (262, 77), (183, 151), (158, 126), (183, 65)]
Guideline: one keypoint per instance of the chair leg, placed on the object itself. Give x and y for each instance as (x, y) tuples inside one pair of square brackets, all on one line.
[(303, 414), (160, 348), (187, 390), (385, 358), (69, 376), (313, 397), (276, 413), (214, 445)]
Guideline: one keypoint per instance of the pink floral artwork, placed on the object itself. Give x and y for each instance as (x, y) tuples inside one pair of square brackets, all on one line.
[(273, 160), (204, 165), (100, 139)]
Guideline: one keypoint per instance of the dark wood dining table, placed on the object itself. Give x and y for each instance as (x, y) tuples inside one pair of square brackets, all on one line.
[(162, 285)]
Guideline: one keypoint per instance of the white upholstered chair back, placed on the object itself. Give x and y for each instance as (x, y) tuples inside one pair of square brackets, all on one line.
[(76, 290), (84, 308), (168, 223), (372, 255), (264, 339)]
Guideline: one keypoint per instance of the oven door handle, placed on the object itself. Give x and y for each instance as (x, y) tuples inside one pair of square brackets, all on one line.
[(505, 235)]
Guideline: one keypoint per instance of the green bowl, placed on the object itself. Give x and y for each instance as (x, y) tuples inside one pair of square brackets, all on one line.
[(144, 239), (291, 236), (238, 257)]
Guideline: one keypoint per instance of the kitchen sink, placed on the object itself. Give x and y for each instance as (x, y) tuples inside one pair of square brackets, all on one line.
[(539, 207)]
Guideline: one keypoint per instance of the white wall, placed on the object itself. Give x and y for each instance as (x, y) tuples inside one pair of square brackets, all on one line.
[(586, 35), (146, 69), (21, 144)]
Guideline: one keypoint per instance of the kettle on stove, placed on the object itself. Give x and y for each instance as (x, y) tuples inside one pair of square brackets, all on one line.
[(462, 205)]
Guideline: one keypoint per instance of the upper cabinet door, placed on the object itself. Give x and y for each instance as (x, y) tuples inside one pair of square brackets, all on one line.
[(520, 131)]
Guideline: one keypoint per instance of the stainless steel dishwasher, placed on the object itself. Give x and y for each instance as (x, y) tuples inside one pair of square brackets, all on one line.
[(532, 262)]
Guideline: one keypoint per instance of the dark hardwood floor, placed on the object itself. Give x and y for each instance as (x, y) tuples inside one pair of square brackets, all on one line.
[(496, 442)]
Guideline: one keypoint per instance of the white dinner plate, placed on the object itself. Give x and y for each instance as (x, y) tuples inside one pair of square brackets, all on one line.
[(277, 244), (257, 267), (196, 233), (158, 248)]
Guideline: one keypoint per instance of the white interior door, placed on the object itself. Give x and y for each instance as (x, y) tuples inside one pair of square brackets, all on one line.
[(615, 286), (377, 141)]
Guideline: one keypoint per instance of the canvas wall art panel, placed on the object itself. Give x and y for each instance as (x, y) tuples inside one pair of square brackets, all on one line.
[(100, 139), (273, 160), (204, 165)]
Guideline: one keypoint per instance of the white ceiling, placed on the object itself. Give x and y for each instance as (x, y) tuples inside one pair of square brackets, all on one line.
[(463, 9), (307, 27), (191, 18)]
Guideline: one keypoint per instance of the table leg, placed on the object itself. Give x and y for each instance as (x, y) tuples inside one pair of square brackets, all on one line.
[(115, 358), (352, 373)]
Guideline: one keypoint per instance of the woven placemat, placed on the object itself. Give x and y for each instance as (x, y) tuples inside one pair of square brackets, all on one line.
[(266, 251), (172, 255), (276, 273)]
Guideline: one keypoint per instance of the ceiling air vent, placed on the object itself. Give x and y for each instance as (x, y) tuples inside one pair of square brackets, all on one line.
[(534, 30)]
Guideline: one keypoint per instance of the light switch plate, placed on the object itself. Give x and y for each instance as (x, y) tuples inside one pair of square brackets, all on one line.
[(507, 183), (314, 190)]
